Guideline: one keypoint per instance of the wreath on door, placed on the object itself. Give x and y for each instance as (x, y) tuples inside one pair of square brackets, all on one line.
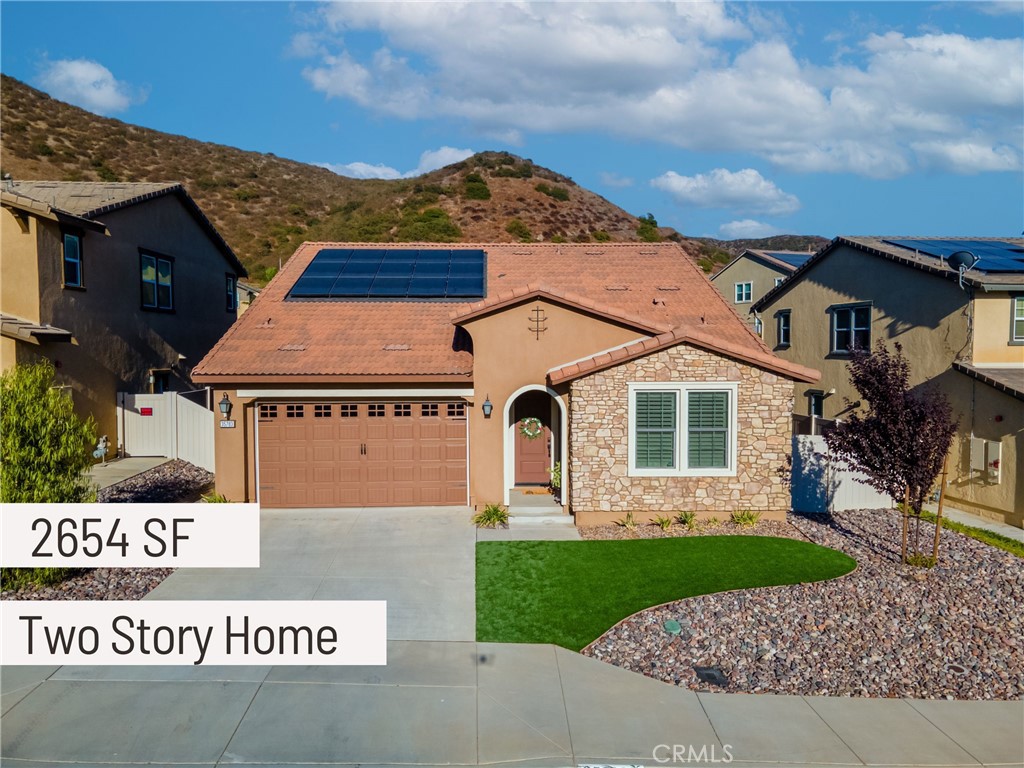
[(531, 428)]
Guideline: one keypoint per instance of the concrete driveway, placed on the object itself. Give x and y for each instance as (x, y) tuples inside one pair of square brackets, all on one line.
[(421, 560), (444, 699)]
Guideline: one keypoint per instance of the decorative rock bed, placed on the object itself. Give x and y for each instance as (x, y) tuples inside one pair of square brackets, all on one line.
[(175, 481), (887, 630)]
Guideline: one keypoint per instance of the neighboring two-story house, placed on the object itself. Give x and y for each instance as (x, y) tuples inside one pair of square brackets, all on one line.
[(123, 286), (748, 277), (964, 336)]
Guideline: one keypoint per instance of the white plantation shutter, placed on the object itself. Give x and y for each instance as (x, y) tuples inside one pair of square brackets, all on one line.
[(707, 429)]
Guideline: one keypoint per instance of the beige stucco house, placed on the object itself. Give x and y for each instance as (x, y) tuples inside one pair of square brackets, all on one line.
[(967, 340), (748, 277), (424, 374), (123, 286)]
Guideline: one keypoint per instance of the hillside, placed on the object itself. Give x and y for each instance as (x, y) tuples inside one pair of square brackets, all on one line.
[(265, 205)]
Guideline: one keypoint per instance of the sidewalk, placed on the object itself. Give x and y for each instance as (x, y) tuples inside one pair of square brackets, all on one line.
[(117, 470), (966, 518), (465, 703)]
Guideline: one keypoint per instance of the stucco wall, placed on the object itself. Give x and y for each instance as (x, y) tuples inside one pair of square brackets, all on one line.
[(116, 342), (746, 270), (992, 335), (602, 488)]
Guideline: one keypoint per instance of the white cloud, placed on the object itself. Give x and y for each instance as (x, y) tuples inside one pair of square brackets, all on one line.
[(614, 180), (660, 72), (966, 156), (430, 160), (88, 84), (745, 191), (999, 8), (746, 229)]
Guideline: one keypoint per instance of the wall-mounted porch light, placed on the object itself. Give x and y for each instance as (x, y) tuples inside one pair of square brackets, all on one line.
[(225, 406), (488, 406)]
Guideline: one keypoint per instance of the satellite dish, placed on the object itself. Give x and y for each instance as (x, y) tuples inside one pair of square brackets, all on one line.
[(961, 261)]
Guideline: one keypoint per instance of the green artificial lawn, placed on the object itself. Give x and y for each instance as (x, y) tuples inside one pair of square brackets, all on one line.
[(570, 592)]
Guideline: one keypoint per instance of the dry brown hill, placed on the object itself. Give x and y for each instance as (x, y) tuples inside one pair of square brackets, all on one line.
[(266, 205)]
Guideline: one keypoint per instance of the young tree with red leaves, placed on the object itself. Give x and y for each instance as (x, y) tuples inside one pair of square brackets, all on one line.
[(900, 441)]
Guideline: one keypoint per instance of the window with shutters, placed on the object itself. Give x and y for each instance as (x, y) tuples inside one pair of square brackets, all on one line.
[(682, 429)]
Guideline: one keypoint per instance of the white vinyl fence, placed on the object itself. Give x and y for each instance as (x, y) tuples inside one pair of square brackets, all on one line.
[(168, 425), (821, 485)]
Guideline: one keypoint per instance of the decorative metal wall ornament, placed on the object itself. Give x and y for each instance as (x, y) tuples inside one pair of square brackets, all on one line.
[(537, 320)]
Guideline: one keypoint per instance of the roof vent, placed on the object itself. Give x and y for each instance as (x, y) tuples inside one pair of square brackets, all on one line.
[(594, 253), (668, 287), (292, 348), (616, 287), (396, 347), (648, 253), (268, 323)]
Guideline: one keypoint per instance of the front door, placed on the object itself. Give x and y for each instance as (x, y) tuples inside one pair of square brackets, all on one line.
[(533, 458)]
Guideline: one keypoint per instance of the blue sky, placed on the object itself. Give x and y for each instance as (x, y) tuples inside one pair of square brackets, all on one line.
[(725, 120)]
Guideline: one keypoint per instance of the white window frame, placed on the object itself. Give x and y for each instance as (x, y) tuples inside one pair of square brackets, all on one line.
[(784, 319), (1016, 316), (779, 281), (681, 388), (744, 293), (851, 309)]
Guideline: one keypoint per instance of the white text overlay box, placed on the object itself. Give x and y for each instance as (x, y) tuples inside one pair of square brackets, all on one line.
[(194, 632), (130, 535)]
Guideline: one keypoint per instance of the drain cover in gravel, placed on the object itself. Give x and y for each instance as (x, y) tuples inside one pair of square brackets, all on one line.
[(713, 675), (672, 627)]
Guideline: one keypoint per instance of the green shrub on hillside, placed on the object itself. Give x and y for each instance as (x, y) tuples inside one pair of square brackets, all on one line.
[(476, 188), (430, 226), (558, 193), (647, 230), (519, 230), (601, 236)]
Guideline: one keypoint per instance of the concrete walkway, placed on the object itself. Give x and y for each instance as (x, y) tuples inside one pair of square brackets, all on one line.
[(444, 699), (974, 521), (117, 470)]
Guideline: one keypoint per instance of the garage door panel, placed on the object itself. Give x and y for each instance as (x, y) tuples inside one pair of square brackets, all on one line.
[(361, 454)]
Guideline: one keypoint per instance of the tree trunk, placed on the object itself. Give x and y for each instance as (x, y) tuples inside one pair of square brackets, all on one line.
[(906, 522), (938, 514)]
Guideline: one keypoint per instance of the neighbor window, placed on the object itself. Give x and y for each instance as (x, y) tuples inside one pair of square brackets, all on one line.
[(816, 404), (779, 281), (851, 328), (157, 282), (743, 292), (1017, 328), (231, 288), (682, 429), (72, 260), (784, 325), (758, 326)]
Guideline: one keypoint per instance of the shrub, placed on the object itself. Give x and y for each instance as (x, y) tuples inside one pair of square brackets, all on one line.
[(663, 522), (601, 236), (558, 193), (712, 522), (647, 229), (492, 516), (745, 519), (687, 519), (44, 452), (556, 475), (628, 522), (476, 188), (106, 173), (40, 148), (558, 239), (431, 226), (244, 194), (519, 230), (215, 498)]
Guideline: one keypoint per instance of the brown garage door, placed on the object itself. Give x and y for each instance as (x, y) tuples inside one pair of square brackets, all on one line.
[(362, 454)]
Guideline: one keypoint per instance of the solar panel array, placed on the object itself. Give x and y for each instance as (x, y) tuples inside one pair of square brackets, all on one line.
[(993, 255), (793, 259), (393, 273)]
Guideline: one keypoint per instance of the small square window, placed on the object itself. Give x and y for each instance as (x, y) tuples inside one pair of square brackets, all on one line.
[(321, 411), (456, 410), (851, 328), (428, 409), (375, 410), (72, 261), (403, 409), (268, 411), (744, 291), (295, 411), (779, 281), (348, 410)]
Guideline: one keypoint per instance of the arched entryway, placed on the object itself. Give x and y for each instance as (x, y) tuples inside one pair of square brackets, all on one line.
[(527, 461)]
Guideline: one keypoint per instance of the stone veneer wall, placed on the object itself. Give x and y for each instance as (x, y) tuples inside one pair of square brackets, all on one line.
[(601, 489)]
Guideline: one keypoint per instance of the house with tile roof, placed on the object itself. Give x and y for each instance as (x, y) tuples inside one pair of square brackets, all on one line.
[(748, 277), (123, 286), (422, 374), (962, 334)]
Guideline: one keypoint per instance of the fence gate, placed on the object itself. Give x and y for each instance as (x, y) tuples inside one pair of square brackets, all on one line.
[(820, 485), (168, 425)]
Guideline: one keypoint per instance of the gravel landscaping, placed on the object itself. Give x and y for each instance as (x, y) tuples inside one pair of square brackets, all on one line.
[(955, 631), (175, 481)]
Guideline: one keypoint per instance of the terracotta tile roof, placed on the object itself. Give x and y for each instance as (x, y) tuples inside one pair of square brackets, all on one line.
[(656, 285), (89, 199), (540, 290), (621, 354)]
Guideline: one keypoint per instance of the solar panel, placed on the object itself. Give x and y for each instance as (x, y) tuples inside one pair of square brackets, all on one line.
[(393, 273), (993, 255), (793, 259)]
